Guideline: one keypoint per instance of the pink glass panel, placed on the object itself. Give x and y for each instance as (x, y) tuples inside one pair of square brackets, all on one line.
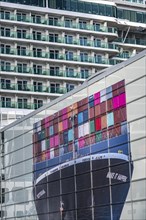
[(81, 142), (52, 142), (97, 98), (64, 113), (56, 139), (47, 154), (122, 99), (65, 124), (116, 102), (47, 122)]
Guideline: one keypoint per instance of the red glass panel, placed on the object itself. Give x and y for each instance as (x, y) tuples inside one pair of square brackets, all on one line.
[(98, 124)]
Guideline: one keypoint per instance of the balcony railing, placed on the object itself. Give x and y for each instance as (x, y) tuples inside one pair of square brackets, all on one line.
[(32, 88), (114, 61), (43, 71), (19, 105), (74, 25), (124, 55), (135, 1), (56, 56), (132, 41), (62, 40)]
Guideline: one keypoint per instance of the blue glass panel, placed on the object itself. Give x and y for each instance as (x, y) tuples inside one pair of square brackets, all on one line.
[(70, 135), (116, 141), (100, 147), (65, 137), (80, 118), (124, 128), (51, 130), (84, 151), (91, 101), (122, 149), (85, 115), (39, 136), (109, 92), (66, 157), (110, 119)]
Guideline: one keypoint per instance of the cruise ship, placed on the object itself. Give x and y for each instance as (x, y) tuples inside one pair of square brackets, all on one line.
[(82, 159)]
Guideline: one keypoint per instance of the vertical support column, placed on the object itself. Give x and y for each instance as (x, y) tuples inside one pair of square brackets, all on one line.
[(47, 68), (31, 85), (31, 67), (15, 83), (15, 65), (63, 69), (46, 1), (133, 52)]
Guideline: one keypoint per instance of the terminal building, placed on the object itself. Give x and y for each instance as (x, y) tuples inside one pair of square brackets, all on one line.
[(49, 47), (83, 155)]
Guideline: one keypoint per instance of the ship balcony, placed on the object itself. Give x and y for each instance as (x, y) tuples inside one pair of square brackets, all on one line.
[(86, 60), (122, 56), (61, 41), (115, 61), (135, 1), (19, 105), (28, 88), (43, 73), (59, 25), (129, 42)]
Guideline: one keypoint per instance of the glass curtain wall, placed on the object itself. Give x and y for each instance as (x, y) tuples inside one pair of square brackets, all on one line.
[(83, 156)]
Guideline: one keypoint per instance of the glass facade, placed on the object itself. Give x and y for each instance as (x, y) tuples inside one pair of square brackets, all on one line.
[(39, 3), (87, 7), (84, 155)]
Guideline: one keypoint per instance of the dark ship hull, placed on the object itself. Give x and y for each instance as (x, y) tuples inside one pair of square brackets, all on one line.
[(87, 188)]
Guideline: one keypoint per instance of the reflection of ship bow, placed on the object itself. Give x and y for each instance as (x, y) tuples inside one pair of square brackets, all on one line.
[(106, 181)]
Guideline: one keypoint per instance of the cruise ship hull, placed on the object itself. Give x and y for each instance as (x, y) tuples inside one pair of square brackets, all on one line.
[(87, 188)]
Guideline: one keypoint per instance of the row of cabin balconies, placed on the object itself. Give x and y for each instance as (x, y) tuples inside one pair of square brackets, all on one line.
[(39, 88), (44, 71), (56, 56), (135, 1), (20, 105), (69, 40), (132, 41), (58, 41), (65, 23)]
